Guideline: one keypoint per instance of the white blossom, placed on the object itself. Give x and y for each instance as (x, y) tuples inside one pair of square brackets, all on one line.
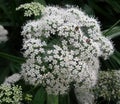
[(12, 79), (108, 85), (3, 34), (63, 48), (84, 96)]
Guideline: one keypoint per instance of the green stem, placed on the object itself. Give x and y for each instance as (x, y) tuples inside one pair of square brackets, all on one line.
[(64, 99), (52, 99), (68, 97)]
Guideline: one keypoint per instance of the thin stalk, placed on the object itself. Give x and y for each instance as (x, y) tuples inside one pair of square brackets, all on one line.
[(52, 99)]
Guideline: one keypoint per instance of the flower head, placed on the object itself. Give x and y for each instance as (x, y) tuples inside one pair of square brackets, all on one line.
[(108, 85), (63, 48), (33, 8), (10, 94)]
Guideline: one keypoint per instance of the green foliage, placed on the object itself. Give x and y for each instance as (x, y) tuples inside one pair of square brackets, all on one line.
[(41, 2), (114, 60), (52, 99), (40, 96), (12, 58), (64, 99)]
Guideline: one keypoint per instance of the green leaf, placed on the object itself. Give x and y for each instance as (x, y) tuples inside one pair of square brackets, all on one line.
[(116, 59), (52, 99), (115, 5), (115, 32), (12, 58), (41, 2), (6, 23), (15, 67), (88, 10), (3, 7), (3, 73), (40, 96), (93, 4), (64, 99), (113, 62)]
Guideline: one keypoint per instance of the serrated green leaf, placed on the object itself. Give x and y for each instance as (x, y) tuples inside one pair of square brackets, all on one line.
[(40, 96)]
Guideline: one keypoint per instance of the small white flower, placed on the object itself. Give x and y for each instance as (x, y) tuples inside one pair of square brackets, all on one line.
[(12, 79), (3, 34)]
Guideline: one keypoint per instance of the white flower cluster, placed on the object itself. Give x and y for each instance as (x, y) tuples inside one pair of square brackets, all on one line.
[(63, 48), (12, 79), (84, 96), (108, 85), (3, 34), (33, 8), (10, 94)]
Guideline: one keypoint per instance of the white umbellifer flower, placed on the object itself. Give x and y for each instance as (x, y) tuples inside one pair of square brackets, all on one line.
[(3, 34), (61, 48), (12, 79), (84, 96), (106, 47), (108, 85)]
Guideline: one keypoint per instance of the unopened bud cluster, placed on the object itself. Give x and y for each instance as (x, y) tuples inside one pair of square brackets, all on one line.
[(33, 8), (10, 94)]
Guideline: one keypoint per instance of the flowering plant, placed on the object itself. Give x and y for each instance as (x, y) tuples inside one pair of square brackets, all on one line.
[(62, 50)]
